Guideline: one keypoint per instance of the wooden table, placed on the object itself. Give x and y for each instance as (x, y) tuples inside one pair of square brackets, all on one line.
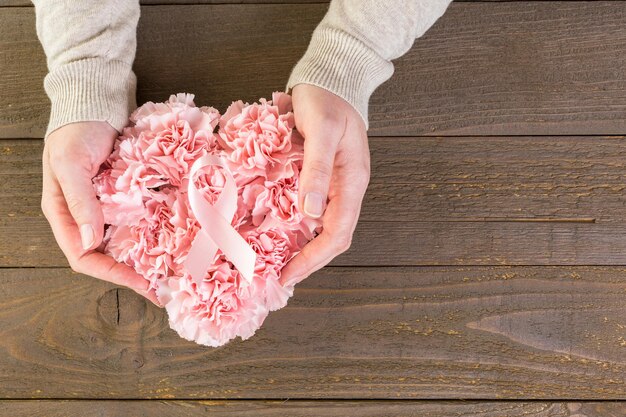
[(487, 275)]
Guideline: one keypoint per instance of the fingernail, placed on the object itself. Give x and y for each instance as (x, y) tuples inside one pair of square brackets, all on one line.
[(313, 204), (87, 235)]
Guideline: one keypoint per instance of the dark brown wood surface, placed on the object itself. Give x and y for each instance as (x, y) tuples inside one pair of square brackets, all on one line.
[(293, 408), (441, 333), (541, 68), (488, 264)]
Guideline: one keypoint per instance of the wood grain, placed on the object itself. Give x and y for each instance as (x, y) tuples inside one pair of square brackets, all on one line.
[(431, 201), (441, 333), (297, 408), (540, 68)]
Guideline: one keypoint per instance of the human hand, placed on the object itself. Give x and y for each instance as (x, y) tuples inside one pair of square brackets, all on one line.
[(336, 166), (72, 156)]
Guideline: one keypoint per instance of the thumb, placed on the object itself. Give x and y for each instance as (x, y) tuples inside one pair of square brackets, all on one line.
[(317, 168), (80, 196)]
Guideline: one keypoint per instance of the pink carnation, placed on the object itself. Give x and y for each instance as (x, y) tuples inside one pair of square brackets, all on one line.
[(257, 136), (274, 248), (215, 311), (275, 204), (156, 244), (169, 137)]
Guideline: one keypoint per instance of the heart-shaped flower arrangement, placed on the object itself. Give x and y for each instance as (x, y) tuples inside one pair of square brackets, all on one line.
[(208, 217)]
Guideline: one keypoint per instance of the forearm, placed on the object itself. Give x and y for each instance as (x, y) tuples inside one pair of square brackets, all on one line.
[(351, 49), (90, 48)]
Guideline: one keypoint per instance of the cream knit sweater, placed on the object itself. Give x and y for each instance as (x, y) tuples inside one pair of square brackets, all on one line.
[(90, 48)]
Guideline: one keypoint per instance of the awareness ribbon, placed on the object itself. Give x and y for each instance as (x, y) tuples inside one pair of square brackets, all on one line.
[(216, 230)]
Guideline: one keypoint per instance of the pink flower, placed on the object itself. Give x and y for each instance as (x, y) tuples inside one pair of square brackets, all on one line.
[(169, 137), (274, 248), (278, 200), (156, 245), (185, 229), (257, 136), (124, 189), (215, 311), (155, 117), (275, 204)]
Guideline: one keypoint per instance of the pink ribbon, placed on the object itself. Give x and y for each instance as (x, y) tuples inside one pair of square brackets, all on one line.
[(216, 230)]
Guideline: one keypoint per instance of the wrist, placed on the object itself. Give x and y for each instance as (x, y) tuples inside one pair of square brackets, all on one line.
[(93, 89), (343, 65)]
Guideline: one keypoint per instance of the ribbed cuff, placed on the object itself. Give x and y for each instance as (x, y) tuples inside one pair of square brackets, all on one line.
[(89, 90), (343, 65)]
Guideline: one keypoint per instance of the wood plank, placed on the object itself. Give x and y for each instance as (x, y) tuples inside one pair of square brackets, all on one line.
[(297, 408), (540, 68), (441, 333), (431, 201)]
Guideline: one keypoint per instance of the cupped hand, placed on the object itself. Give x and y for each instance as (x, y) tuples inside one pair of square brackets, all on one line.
[(334, 176), (72, 155)]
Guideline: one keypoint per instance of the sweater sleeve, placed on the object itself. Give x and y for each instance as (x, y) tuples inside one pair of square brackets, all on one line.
[(351, 49), (90, 48)]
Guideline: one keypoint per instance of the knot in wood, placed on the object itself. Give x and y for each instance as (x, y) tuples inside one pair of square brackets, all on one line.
[(120, 307)]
